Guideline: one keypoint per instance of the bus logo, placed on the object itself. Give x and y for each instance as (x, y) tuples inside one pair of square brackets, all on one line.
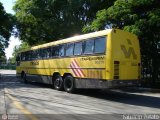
[(130, 51), (76, 69)]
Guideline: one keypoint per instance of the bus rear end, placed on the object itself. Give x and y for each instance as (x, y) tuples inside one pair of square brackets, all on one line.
[(125, 59)]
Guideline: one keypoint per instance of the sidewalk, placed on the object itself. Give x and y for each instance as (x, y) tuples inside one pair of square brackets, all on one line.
[(13, 72), (150, 89), (140, 91), (2, 100)]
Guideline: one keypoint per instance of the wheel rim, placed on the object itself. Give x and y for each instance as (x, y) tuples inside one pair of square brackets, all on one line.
[(57, 83), (68, 84)]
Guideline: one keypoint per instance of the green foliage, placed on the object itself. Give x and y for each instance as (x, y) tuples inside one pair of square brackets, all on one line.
[(41, 21), (16, 50), (3, 60), (6, 26), (141, 17)]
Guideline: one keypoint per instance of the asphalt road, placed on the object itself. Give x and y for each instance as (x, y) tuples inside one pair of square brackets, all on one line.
[(34, 101)]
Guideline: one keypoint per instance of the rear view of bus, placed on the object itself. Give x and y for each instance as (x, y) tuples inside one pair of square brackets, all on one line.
[(124, 59)]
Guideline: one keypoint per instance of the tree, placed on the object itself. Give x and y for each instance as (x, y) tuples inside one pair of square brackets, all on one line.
[(16, 50), (41, 21), (3, 60), (140, 17), (6, 27)]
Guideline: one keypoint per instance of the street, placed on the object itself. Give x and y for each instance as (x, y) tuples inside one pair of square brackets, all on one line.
[(35, 101)]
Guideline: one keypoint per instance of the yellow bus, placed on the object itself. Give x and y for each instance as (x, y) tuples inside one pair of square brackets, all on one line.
[(98, 60)]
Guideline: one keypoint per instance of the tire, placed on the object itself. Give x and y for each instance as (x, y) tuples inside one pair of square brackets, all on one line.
[(69, 85), (24, 78), (58, 82)]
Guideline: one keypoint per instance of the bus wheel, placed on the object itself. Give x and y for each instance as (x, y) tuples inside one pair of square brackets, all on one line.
[(69, 85), (58, 82), (24, 77)]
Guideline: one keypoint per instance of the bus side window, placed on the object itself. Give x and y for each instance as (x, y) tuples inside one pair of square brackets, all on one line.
[(78, 48), (69, 49), (38, 55), (26, 56), (46, 53), (88, 46), (35, 55), (100, 45), (32, 55), (61, 50), (18, 60), (55, 51), (23, 56), (29, 55), (43, 52)]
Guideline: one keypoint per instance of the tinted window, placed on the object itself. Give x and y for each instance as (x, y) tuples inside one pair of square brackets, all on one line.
[(43, 53), (32, 55), (49, 53), (88, 46), (100, 45), (78, 48), (38, 54), (23, 56), (69, 49), (55, 51), (27, 55), (46, 53), (61, 50), (35, 55)]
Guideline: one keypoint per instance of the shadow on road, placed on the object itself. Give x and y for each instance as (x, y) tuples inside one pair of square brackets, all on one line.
[(109, 95), (124, 97)]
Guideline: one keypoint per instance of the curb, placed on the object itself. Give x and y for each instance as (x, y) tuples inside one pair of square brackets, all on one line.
[(150, 89)]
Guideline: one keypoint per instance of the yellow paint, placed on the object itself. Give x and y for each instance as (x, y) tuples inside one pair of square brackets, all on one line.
[(120, 46), (19, 106)]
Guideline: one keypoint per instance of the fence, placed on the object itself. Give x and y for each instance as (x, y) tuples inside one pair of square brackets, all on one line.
[(8, 67)]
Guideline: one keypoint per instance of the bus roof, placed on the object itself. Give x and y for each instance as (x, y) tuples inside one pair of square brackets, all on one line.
[(72, 39)]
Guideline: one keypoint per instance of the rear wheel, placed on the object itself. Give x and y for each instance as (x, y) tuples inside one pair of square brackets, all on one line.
[(58, 82), (69, 85)]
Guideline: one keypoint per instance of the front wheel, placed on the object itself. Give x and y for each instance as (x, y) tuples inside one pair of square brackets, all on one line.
[(24, 78), (58, 82), (69, 85)]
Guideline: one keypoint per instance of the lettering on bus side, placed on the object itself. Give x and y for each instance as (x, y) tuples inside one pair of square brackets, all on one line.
[(34, 63), (97, 60), (92, 58)]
